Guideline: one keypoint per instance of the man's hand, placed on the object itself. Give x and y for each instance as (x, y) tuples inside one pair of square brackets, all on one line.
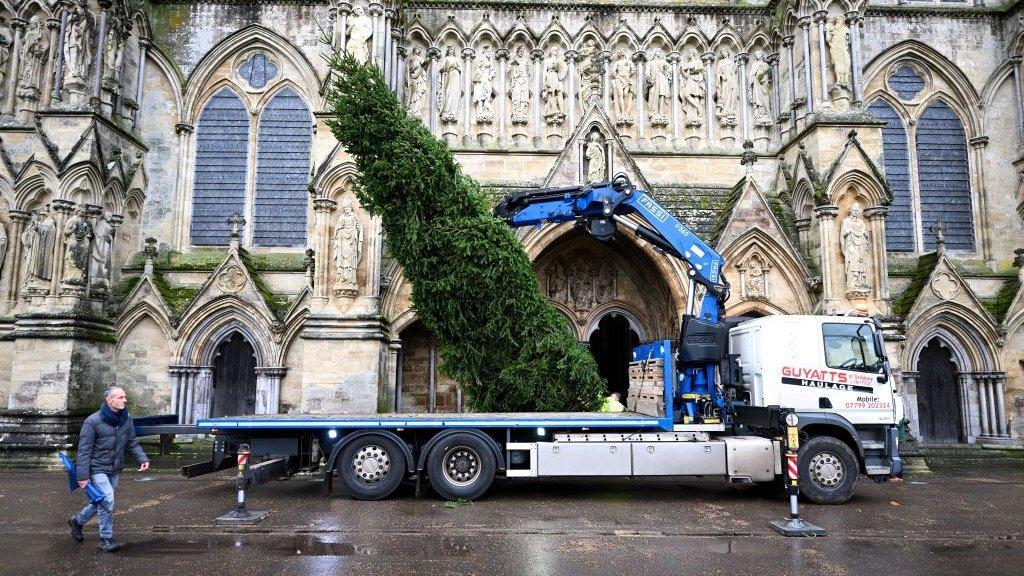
[(82, 483), (144, 466)]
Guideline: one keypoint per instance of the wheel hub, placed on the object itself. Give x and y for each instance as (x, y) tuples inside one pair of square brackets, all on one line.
[(371, 464), (462, 465), (826, 469)]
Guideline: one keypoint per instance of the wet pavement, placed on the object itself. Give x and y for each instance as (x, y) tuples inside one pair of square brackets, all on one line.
[(930, 524)]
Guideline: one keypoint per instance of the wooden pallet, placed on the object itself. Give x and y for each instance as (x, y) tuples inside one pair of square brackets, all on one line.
[(646, 388)]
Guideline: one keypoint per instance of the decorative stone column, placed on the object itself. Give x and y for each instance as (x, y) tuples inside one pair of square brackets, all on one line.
[(400, 53), (709, 95), (880, 274), (821, 18), (805, 26), (978, 145), (376, 12), (434, 54), (998, 385), (538, 69), (101, 40), (502, 55), (56, 28), (606, 82), (641, 103), (394, 376), (909, 389), (803, 230), (741, 65), (201, 393), (268, 389), (341, 25), (571, 58), (17, 30), (827, 228), (19, 218), (58, 73), (1019, 97), (853, 20), (140, 78), (323, 209), (787, 44), (397, 59), (183, 132), (62, 209), (773, 61), (468, 54), (673, 61), (387, 42)]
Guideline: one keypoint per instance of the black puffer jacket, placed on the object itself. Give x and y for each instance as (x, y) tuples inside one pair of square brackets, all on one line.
[(101, 447)]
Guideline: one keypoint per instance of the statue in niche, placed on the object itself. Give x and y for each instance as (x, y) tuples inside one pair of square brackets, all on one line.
[(692, 92), (519, 86), (855, 243), (78, 236), (556, 282), (726, 98), (359, 31), (451, 86), (594, 154), (605, 290), (582, 284), (348, 250), (659, 96), (760, 91), (37, 241), (837, 33), (590, 73), (483, 86), (113, 54), (33, 59), (553, 93), (102, 253), (77, 45), (416, 82), (623, 89), (755, 278), (6, 39)]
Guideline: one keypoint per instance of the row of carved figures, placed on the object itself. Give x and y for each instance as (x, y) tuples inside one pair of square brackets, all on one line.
[(29, 56)]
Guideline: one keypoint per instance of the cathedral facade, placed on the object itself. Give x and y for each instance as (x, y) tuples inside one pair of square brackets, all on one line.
[(177, 218)]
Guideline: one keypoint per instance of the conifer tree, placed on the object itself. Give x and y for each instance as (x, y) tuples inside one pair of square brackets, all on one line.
[(472, 282)]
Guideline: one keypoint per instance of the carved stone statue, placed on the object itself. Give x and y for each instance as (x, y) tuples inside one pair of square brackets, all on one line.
[(606, 284), (623, 89), (659, 95), (102, 253), (37, 242), (78, 236), (590, 73), (726, 98), (556, 282), (755, 278), (33, 60), (113, 54), (760, 91), (582, 284), (553, 93), (359, 32), (451, 86), (77, 46), (348, 250), (594, 153), (416, 82), (519, 86), (855, 243), (483, 86), (6, 39), (692, 92), (838, 35)]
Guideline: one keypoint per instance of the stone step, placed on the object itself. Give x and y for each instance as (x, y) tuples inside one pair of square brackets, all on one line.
[(964, 456)]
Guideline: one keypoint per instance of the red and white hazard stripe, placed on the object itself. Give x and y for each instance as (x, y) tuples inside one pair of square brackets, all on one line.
[(243, 459), (794, 472)]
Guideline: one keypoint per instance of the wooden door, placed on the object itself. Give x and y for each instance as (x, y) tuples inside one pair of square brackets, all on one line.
[(234, 378), (938, 397)]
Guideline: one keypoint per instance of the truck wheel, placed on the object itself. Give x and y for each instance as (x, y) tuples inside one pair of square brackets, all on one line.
[(461, 467), (371, 467), (828, 470)]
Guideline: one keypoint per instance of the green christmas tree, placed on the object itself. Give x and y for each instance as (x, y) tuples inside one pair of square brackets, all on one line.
[(473, 285)]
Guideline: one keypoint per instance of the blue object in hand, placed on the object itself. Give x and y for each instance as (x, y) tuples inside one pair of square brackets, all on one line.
[(94, 494)]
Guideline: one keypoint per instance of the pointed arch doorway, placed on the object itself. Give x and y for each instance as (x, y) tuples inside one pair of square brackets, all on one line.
[(938, 397), (612, 345), (234, 377)]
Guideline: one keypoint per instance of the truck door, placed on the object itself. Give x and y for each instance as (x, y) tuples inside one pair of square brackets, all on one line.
[(853, 377)]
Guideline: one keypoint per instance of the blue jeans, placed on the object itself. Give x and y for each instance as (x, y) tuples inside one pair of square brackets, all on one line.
[(107, 483)]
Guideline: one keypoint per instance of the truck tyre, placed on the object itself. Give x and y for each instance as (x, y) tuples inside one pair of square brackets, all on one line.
[(461, 467), (828, 470), (371, 467)]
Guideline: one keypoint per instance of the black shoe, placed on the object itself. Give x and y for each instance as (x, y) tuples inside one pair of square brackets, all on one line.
[(76, 529), (108, 545)]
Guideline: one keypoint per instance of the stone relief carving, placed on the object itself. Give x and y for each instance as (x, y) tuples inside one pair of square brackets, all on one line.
[(34, 48), (102, 253), (594, 155), (585, 283), (726, 97), (6, 38), (37, 242), (519, 86), (359, 32), (416, 82), (231, 279), (945, 286), (348, 251), (483, 86), (553, 93), (78, 237), (659, 91), (77, 46), (754, 273), (623, 92), (760, 91), (837, 33), (590, 73), (855, 242), (451, 86), (692, 92)]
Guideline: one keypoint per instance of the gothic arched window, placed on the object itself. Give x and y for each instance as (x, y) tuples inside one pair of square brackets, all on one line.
[(256, 166), (942, 175), (899, 224)]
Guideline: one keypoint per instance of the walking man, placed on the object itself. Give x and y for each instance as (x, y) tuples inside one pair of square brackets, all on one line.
[(106, 435)]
